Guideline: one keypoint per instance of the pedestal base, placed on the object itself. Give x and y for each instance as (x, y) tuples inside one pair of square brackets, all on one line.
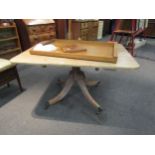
[(76, 76)]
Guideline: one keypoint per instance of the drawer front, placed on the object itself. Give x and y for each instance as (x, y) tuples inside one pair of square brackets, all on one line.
[(92, 37), (32, 30), (39, 29), (84, 32), (34, 39), (49, 28), (84, 25), (83, 37), (93, 24)]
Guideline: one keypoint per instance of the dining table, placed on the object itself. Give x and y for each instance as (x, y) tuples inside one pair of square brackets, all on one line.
[(76, 76)]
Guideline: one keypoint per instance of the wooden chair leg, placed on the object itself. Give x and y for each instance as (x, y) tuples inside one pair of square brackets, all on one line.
[(121, 38), (18, 80), (132, 45), (127, 39)]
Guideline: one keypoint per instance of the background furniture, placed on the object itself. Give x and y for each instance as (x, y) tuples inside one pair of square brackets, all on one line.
[(150, 31), (33, 31), (8, 72), (128, 30), (84, 29), (61, 28), (9, 40)]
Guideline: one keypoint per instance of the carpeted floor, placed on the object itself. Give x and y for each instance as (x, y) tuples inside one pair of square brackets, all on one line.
[(127, 98)]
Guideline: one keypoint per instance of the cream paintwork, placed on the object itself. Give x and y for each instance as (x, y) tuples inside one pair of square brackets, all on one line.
[(5, 64)]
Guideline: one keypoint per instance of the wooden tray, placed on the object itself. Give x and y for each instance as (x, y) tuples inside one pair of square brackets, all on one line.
[(95, 50)]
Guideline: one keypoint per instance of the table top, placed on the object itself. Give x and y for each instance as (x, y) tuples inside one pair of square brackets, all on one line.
[(124, 61)]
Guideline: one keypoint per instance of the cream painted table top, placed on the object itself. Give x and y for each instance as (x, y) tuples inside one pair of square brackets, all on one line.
[(125, 60)]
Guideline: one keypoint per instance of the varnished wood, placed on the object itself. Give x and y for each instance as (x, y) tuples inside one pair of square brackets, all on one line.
[(33, 31), (85, 29), (68, 85), (69, 29), (8, 75), (38, 21), (61, 28), (150, 31), (128, 29), (10, 52), (82, 85), (95, 51)]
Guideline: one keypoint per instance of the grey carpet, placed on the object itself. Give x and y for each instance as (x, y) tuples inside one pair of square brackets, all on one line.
[(8, 93), (127, 98), (147, 52)]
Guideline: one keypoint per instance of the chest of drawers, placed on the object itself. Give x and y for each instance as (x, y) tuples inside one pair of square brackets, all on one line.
[(33, 31), (85, 29), (40, 30)]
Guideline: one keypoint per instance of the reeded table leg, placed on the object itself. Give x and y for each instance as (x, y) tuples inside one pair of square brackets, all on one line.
[(76, 76), (68, 85)]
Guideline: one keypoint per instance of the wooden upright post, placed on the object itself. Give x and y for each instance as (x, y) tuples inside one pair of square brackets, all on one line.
[(70, 29)]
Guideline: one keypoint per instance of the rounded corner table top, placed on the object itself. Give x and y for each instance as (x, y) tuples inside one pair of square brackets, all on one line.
[(124, 61), (5, 64)]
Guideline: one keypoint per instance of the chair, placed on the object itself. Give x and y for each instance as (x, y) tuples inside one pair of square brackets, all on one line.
[(126, 31), (8, 72)]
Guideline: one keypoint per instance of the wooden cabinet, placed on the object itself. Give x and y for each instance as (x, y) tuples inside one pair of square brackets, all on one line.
[(40, 30), (9, 41), (84, 29), (150, 31), (33, 31)]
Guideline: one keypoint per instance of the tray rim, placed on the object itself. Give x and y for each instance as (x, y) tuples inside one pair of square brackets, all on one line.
[(76, 56)]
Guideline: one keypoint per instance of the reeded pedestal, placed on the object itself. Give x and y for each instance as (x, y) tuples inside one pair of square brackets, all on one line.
[(76, 76)]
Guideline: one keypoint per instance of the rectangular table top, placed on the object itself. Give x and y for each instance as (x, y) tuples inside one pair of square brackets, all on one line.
[(124, 61)]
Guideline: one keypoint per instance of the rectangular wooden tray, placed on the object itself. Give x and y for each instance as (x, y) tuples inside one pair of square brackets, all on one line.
[(96, 50)]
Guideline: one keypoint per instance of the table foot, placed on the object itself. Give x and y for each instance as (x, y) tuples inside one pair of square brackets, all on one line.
[(99, 110), (92, 83), (47, 105), (76, 76)]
